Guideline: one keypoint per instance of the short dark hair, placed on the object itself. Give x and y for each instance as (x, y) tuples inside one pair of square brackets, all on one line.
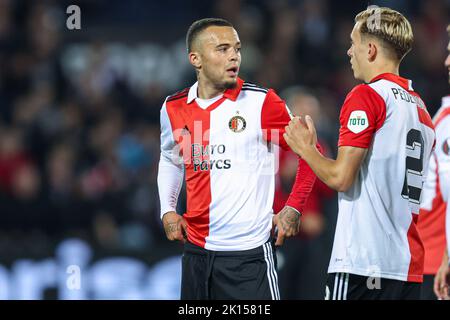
[(198, 26)]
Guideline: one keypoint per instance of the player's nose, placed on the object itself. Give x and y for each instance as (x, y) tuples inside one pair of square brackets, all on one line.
[(447, 61), (234, 55), (349, 52)]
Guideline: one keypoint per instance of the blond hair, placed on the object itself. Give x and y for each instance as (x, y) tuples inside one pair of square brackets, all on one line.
[(389, 26)]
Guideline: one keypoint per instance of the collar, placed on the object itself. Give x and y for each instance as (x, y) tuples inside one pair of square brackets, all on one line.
[(402, 82), (231, 94)]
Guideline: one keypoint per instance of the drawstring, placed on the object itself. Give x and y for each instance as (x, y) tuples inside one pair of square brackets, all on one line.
[(210, 255)]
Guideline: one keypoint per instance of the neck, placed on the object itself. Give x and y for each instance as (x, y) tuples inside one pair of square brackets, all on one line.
[(384, 67), (207, 90)]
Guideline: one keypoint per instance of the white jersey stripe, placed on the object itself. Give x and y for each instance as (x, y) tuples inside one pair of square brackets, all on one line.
[(269, 273), (273, 271), (341, 280), (347, 275), (336, 277)]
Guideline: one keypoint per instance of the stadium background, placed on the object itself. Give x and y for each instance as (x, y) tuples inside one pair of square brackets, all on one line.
[(79, 129)]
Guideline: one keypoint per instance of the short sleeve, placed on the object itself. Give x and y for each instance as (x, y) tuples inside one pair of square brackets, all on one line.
[(362, 114), (275, 116)]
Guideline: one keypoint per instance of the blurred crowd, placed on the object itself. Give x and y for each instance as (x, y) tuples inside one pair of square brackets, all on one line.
[(79, 109)]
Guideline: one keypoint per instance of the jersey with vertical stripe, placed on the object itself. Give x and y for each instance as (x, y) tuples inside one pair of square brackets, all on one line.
[(228, 152), (376, 233), (435, 193)]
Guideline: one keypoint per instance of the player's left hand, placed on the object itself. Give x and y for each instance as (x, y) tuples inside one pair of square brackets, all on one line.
[(441, 280), (300, 135), (288, 223)]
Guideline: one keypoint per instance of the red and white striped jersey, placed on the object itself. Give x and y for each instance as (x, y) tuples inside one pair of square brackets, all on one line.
[(228, 153), (436, 188), (376, 233)]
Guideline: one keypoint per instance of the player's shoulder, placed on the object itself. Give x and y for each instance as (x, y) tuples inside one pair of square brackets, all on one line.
[(363, 91), (178, 96), (252, 87)]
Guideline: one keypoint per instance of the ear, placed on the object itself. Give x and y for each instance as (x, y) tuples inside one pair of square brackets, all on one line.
[(195, 59), (372, 52)]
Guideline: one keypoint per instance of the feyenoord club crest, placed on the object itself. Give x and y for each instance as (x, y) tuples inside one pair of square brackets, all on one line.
[(237, 124), (445, 147)]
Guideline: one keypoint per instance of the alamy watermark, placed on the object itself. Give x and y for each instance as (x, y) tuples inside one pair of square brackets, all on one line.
[(73, 21), (374, 280), (253, 153), (73, 281), (374, 20)]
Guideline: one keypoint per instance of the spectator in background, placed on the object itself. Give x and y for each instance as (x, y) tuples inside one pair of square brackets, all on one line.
[(13, 157), (303, 259)]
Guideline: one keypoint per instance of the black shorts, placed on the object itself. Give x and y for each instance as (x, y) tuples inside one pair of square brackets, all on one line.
[(243, 275), (347, 286), (428, 288)]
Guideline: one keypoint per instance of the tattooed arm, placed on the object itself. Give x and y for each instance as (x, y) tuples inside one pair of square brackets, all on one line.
[(287, 222), (174, 226), (170, 180)]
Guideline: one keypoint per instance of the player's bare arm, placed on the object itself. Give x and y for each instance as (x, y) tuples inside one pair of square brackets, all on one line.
[(174, 226), (441, 279), (338, 174)]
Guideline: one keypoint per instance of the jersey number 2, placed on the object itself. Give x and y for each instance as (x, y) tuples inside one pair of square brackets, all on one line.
[(412, 186)]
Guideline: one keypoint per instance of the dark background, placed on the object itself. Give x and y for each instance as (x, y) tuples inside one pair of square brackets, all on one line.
[(79, 125)]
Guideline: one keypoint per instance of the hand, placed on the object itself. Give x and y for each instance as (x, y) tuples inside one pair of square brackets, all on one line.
[(175, 226), (300, 135), (288, 223), (441, 281)]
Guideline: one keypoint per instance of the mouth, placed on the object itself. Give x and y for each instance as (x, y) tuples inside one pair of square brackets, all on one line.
[(232, 72)]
